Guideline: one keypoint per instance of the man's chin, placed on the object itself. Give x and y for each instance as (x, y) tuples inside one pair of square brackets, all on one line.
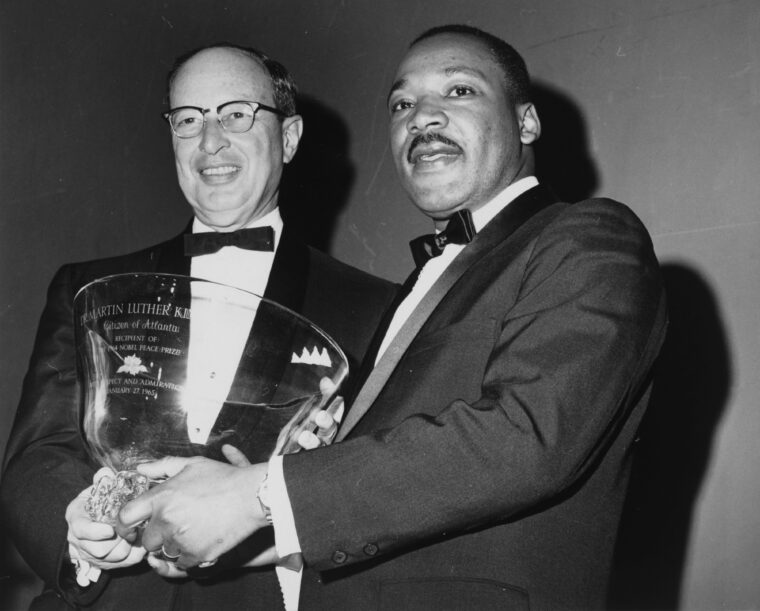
[(437, 208), (230, 215), (436, 200), (222, 219)]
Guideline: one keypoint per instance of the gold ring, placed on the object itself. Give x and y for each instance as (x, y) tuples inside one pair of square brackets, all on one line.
[(169, 557)]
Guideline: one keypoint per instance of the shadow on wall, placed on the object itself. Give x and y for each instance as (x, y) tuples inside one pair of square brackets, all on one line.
[(562, 157), (316, 184), (693, 377), (692, 381)]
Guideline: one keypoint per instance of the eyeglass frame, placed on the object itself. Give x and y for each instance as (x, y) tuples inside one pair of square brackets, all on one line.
[(255, 105)]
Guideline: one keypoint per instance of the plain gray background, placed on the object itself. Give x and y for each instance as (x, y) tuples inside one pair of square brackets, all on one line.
[(655, 103)]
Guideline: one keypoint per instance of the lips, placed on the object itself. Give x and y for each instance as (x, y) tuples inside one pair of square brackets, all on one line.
[(432, 147)]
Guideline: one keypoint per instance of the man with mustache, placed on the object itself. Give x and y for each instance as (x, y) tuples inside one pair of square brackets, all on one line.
[(233, 126), (484, 462)]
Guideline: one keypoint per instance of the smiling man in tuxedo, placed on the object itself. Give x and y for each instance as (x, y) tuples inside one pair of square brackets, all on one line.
[(234, 126), (484, 462)]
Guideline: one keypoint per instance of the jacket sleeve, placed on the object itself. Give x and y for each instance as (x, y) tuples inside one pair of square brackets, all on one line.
[(46, 462), (571, 353)]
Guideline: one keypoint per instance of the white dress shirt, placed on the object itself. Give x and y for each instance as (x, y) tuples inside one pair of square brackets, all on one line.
[(218, 338), (286, 536)]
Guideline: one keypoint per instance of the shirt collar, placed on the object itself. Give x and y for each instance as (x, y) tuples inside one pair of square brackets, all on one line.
[(484, 214), (271, 218)]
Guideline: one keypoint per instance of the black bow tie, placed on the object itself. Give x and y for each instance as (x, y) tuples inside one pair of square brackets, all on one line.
[(460, 230), (256, 238)]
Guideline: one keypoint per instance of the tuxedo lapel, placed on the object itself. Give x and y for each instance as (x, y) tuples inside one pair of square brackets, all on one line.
[(286, 286), (289, 275), (493, 234), (368, 364)]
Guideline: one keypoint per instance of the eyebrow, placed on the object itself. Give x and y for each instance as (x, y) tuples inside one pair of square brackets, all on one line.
[(448, 71), (466, 70), (399, 84)]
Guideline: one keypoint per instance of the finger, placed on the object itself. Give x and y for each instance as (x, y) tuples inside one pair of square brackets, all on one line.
[(114, 550), (165, 568), (131, 535), (118, 555), (135, 512), (152, 536), (86, 573), (308, 440), (235, 456), (168, 552), (100, 473), (335, 409), (164, 467), (327, 427), (327, 386), (92, 551), (339, 410), (120, 552), (86, 530), (136, 554), (324, 420), (82, 527)]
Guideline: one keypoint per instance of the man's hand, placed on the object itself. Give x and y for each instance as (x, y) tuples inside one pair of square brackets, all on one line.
[(168, 569), (325, 422), (95, 544), (201, 511)]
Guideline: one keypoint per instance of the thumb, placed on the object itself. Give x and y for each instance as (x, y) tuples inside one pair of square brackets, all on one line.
[(235, 456), (327, 387), (135, 512)]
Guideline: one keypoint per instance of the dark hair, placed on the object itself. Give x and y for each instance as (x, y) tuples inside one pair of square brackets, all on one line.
[(516, 79), (284, 87)]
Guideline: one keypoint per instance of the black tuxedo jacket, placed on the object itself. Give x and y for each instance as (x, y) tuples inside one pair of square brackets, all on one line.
[(484, 463), (46, 461)]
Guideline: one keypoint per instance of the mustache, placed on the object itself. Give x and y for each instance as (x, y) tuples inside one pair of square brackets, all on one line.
[(428, 139)]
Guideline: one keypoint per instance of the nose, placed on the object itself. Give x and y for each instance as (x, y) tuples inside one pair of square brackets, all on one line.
[(426, 115), (213, 137)]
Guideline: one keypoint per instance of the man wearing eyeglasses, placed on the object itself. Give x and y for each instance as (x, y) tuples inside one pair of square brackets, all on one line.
[(233, 126)]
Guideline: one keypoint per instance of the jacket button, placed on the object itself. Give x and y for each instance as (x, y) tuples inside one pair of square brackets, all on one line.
[(370, 549), (339, 557)]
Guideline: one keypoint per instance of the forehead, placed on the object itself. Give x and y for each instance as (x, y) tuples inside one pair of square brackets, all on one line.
[(214, 76), (447, 54)]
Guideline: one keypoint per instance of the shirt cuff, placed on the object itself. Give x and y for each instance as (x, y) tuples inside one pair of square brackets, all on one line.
[(285, 535), (290, 586), (290, 567), (85, 572)]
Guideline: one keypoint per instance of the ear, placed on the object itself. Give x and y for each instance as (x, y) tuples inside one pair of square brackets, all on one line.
[(530, 125), (292, 128)]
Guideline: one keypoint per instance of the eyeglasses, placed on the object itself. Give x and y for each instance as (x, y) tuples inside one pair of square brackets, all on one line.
[(235, 117)]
